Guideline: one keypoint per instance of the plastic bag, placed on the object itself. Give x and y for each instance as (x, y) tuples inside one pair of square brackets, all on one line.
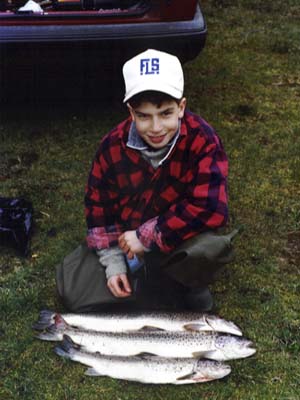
[(16, 223)]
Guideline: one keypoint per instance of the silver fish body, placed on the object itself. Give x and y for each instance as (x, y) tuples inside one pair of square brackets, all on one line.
[(209, 345), (118, 322), (145, 369)]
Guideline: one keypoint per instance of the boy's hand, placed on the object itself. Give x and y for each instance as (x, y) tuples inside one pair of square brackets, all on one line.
[(130, 244), (119, 285)]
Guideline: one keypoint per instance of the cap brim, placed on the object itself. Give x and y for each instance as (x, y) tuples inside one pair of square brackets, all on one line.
[(154, 86)]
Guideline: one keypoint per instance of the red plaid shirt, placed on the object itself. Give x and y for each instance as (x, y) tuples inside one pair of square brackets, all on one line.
[(184, 196)]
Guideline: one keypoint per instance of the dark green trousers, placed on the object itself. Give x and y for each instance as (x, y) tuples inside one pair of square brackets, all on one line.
[(81, 280)]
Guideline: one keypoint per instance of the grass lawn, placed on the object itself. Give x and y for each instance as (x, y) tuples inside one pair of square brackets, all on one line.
[(246, 83)]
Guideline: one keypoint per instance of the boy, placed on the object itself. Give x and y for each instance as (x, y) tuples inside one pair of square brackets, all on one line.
[(155, 195)]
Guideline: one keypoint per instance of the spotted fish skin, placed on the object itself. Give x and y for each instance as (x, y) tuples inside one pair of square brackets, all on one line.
[(175, 344), (146, 369), (123, 322)]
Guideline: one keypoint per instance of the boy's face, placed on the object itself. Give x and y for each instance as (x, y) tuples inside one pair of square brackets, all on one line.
[(157, 125)]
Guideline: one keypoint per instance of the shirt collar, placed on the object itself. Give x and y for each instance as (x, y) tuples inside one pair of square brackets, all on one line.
[(137, 143), (134, 140)]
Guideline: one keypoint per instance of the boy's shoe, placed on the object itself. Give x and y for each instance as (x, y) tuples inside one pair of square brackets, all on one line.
[(199, 299)]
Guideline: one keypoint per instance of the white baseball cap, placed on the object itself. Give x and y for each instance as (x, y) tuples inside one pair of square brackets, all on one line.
[(153, 70)]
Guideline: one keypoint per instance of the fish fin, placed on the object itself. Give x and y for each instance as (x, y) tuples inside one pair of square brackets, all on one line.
[(200, 378), (145, 355), (67, 344), (66, 347), (186, 377), (61, 352), (46, 318), (54, 331), (197, 326), (47, 312), (192, 378), (229, 327), (92, 372), (210, 355), (50, 334), (201, 354), (150, 328), (39, 326)]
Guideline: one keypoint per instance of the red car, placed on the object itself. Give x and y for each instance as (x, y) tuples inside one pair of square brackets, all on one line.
[(86, 36)]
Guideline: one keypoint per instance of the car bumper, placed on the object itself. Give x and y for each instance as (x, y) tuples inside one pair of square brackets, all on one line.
[(179, 37)]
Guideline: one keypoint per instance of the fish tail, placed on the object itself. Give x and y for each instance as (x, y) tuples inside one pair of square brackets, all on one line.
[(66, 347), (46, 318), (68, 344), (52, 333), (92, 372), (62, 353)]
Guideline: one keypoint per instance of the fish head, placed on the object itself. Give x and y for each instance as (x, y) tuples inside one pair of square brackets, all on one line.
[(207, 370), (221, 325), (233, 347)]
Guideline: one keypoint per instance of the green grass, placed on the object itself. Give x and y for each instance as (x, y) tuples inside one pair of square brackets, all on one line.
[(246, 83)]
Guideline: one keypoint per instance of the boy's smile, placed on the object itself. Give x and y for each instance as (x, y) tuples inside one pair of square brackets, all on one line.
[(157, 125)]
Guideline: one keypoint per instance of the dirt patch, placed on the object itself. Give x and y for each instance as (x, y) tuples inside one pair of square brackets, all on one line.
[(11, 164), (292, 249)]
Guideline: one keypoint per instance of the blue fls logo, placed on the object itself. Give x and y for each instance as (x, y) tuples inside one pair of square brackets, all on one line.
[(149, 66)]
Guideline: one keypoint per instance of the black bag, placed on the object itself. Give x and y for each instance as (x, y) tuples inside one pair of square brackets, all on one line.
[(15, 223)]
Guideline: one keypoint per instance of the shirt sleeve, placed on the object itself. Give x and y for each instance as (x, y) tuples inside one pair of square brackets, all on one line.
[(113, 261), (204, 206), (101, 207)]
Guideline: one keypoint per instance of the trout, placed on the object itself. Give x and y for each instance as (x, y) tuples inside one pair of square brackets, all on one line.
[(162, 343), (145, 369), (118, 322)]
